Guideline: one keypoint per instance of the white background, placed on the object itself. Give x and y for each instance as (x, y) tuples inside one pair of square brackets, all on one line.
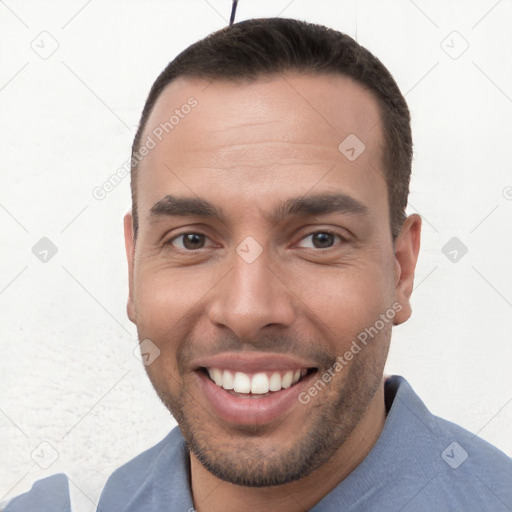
[(68, 374)]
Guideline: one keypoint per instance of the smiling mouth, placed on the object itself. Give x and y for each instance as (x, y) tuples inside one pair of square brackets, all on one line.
[(256, 384)]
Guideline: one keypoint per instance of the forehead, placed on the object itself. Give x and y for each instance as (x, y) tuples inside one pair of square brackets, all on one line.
[(331, 105), (276, 134)]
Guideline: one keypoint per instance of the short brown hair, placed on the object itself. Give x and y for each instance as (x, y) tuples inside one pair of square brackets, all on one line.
[(258, 47)]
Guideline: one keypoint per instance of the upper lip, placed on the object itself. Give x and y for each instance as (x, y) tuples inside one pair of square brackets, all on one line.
[(248, 362)]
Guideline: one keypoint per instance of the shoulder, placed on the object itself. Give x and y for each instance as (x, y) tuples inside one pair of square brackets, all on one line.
[(50, 494), (461, 447), (462, 468), (470, 472), (144, 463), (135, 482)]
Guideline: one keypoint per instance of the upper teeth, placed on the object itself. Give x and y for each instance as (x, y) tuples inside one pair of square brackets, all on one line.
[(258, 383)]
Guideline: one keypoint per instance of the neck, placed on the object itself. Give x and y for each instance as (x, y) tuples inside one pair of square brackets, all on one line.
[(211, 494)]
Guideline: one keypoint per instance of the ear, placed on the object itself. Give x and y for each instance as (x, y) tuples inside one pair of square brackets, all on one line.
[(129, 244), (407, 247)]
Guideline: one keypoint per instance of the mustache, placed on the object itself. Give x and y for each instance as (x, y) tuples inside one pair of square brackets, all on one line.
[(193, 347)]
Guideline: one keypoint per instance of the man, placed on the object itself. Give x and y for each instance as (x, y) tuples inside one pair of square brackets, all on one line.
[(269, 257)]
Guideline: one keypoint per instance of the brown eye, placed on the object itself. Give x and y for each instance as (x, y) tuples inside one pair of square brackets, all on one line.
[(189, 241), (320, 240)]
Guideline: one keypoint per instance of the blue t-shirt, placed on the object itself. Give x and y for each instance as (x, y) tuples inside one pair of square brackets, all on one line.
[(420, 463)]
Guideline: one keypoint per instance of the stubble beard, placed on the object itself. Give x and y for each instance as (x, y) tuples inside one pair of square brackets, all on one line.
[(240, 460)]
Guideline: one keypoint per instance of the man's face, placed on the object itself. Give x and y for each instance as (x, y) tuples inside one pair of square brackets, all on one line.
[(262, 253)]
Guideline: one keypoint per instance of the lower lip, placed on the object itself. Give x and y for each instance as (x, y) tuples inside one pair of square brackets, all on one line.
[(255, 410)]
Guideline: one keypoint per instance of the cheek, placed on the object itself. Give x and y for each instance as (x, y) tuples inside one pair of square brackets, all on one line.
[(166, 302), (342, 302), (164, 297), (157, 305)]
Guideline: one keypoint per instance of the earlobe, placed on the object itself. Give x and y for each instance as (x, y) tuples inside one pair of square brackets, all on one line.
[(406, 256), (129, 243)]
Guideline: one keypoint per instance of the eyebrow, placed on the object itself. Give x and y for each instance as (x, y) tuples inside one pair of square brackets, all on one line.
[(303, 206), (181, 206), (320, 204)]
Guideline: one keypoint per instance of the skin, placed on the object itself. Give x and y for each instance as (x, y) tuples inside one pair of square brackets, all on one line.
[(246, 148)]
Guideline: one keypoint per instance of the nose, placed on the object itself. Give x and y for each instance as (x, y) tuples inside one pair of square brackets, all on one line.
[(251, 297)]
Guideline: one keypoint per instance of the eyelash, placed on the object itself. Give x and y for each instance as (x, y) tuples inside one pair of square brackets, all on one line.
[(327, 232), (316, 249), (181, 235)]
